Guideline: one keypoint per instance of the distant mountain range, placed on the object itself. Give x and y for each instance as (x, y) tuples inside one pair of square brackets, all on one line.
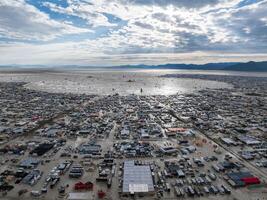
[(249, 66), (230, 66)]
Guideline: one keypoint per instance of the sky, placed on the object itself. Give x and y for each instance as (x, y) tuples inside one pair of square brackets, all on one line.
[(127, 32)]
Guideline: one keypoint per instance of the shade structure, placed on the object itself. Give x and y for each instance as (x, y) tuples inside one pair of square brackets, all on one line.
[(137, 178)]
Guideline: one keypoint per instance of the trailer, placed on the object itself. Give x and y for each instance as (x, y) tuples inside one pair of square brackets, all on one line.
[(226, 190), (206, 189), (177, 191), (191, 191), (168, 187), (54, 183)]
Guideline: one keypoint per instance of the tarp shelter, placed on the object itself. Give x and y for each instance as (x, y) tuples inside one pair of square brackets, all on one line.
[(80, 196), (137, 178)]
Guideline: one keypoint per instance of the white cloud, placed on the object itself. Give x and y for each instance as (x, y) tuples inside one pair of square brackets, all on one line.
[(178, 29), (19, 20), (83, 10), (77, 54)]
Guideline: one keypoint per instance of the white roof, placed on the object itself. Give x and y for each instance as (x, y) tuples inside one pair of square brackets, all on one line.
[(138, 188), (80, 196), (137, 178)]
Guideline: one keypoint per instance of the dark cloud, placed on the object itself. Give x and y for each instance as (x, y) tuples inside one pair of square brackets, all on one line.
[(248, 25), (161, 17), (144, 25)]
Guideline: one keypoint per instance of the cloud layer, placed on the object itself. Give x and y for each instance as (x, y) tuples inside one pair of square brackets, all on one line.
[(106, 32)]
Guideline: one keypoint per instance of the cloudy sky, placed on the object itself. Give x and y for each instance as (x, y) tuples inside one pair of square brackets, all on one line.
[(117, 32)]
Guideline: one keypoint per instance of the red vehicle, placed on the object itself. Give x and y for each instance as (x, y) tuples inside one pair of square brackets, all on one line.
[(251, 180), (101, 194), (84, 186)]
